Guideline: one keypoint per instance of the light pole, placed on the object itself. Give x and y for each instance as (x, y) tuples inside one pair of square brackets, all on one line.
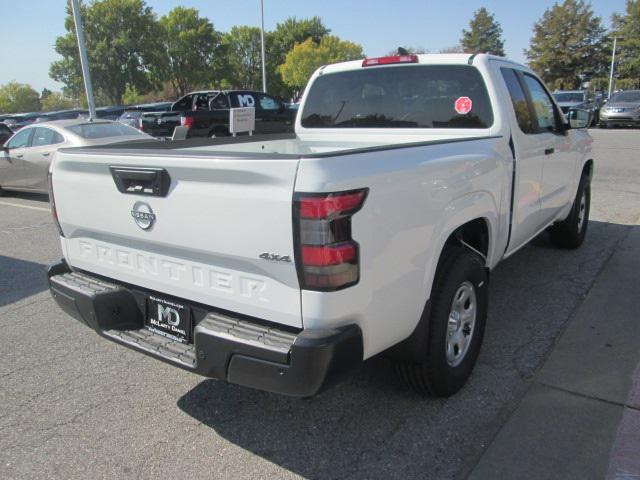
[(613, 64), (84, 61), (264, 69)]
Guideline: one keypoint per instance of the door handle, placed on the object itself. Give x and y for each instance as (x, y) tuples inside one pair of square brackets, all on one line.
[(19, 155), (46, 154), (549, 151)]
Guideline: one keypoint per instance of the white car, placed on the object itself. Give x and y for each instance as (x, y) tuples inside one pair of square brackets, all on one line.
[(283, 262), (25, 157)]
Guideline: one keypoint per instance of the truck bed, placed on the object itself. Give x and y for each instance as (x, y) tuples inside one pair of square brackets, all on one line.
[(287, 145)]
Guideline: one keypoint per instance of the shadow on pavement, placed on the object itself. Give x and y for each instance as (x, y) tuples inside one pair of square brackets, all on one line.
[(20, 279), (371, 427), (36, 197)]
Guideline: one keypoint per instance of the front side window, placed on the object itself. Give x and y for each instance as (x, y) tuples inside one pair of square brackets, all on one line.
[(518, 100), (20, 139), (407, 96), (542, 104)]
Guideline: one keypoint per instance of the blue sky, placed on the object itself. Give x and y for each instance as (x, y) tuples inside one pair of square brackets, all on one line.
[(30, 27)]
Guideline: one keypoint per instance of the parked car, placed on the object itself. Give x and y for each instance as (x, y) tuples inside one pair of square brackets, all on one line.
[(622, 109), (17, 121), (583, 99), (5, 133), (25, 157), (282, 262), (206, 114), (133, 114)]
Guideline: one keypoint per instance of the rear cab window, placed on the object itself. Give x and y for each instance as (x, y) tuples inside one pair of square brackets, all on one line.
[(408, 96)]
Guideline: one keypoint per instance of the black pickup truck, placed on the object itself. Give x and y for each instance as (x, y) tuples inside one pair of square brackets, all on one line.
[(206, 114)]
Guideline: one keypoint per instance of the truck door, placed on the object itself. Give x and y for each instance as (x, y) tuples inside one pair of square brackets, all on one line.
[(556, 154), (525, 220)]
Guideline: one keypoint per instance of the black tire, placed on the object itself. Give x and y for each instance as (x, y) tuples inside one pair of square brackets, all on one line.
[(219, 132), (571, 232), (435, 375)]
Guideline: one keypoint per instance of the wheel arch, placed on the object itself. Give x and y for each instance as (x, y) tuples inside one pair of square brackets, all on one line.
[(476, 234)]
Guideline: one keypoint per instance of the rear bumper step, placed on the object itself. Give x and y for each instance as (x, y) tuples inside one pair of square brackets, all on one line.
[(224, 347)]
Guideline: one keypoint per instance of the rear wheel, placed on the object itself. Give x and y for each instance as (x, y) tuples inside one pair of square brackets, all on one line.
[(219, 132), (571, 232), (456, 325)]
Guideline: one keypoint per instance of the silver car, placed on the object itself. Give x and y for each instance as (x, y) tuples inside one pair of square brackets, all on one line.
[(25, 157), (623, 108)]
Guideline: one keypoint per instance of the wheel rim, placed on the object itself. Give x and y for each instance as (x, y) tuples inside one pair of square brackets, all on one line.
[(461, 323), (582, 213)]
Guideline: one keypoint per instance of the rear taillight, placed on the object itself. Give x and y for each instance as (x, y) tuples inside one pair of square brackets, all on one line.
[(327, 257), (139, 122), (186, 121), (52, 203)]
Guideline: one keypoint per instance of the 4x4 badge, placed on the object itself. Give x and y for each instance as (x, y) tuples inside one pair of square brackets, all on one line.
[(272, 257)]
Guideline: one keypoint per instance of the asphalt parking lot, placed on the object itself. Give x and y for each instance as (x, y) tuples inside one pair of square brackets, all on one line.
[(77, 406)]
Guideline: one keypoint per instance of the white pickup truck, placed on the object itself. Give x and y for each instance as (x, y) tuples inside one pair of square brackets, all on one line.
[(283, 262)]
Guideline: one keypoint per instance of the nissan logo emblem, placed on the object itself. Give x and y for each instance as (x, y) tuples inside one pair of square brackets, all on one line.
[(143, 215)]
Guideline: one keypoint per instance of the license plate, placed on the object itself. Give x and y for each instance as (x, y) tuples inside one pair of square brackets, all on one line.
[(168, 318)]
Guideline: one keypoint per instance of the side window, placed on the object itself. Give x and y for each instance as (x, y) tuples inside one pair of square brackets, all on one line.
[(519, 100), (184, 103), (542, 104), (219, 102), (20, 139), (45, 136), (268, 103), (201, 102)]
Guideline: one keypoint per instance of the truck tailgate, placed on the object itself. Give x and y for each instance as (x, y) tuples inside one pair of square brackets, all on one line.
[(218, 216)]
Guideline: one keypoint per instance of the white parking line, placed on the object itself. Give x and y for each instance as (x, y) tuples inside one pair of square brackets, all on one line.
[(25, 206)]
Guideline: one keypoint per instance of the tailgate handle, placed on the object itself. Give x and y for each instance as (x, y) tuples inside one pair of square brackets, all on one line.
[(154, 182)]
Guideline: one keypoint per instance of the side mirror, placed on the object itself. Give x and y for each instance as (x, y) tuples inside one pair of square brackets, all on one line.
[(578, 118)]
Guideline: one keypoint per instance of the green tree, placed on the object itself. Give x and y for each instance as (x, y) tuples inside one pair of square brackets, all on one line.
[(307, 56), (484, 34), (45, 93), (57, 101), (567, 42), (190, 49), (280, 42), (452, 49), (18, 97), (627, 26), (242, 58), (122, 44)]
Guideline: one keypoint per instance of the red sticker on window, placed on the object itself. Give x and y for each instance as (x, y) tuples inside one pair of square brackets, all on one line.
[(463, 105)]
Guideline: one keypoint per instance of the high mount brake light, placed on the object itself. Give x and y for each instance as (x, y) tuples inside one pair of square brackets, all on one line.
[(371, 62), (326, 256)]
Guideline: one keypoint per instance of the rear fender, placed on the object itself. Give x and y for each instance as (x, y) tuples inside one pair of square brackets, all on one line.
[(458, 212), (477, 205)]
